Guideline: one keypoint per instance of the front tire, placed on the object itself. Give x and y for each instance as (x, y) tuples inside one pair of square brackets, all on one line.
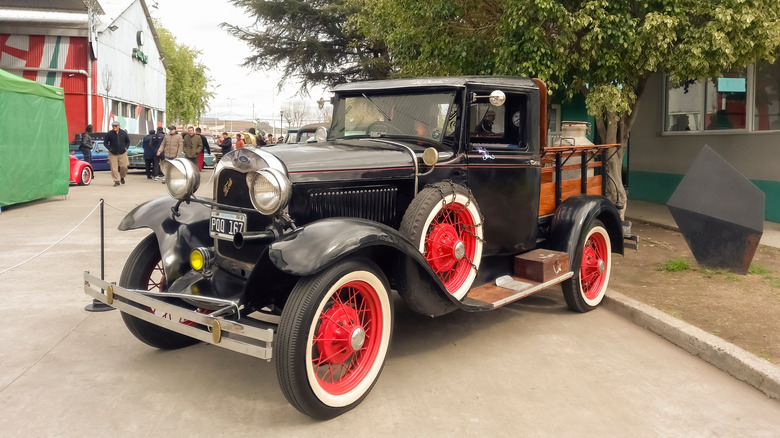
[(444, 223), (333, 338), (592, 267), (144, 270)]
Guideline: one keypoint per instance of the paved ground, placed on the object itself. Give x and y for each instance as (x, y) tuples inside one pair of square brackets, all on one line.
[(529, 369)]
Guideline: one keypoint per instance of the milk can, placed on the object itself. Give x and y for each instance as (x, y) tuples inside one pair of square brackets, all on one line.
[(574, 134)]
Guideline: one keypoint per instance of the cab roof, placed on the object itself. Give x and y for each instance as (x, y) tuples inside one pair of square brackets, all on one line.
[(439, 82)]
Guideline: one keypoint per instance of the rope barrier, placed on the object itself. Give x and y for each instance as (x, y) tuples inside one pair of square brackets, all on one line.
[(53, 244), (116, 208)]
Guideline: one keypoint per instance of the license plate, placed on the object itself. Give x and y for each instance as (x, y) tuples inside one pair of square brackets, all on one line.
[(226, 224)]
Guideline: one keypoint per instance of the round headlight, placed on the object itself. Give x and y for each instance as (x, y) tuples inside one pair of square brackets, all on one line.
[(321, 134), (269, 190), (182, 177)]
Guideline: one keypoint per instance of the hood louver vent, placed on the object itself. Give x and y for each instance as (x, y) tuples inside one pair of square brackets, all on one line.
[(376, 203)]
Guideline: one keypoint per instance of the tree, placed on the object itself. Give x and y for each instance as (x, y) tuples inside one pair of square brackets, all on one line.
[(605, 50), (186, 82), (296, 113), (309, 40)]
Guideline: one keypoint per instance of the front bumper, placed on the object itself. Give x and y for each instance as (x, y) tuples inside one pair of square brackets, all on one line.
[(250, 336)]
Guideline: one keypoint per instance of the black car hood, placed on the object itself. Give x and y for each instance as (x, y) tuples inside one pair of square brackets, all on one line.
[(344, 157)]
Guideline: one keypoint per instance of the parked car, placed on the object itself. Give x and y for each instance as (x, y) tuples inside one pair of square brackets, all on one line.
[(99, 154), (306, 133), (80, 171), (291, 136), (413, 188)]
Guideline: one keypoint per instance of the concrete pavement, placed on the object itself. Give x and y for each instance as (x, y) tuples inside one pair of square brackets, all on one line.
[(531, 368)]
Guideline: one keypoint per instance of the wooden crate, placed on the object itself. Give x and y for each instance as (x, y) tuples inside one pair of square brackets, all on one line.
[(541, 265)]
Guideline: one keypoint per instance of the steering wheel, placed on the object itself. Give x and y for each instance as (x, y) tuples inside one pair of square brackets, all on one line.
[(379, 124)]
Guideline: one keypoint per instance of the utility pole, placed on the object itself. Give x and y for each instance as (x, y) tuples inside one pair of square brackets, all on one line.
[(231, 99)]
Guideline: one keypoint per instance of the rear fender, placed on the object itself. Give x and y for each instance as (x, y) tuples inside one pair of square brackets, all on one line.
[(176, 235), (320, 244), (572, 217)]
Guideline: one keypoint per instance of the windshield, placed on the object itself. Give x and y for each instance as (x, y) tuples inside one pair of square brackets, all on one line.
[(418, 115)]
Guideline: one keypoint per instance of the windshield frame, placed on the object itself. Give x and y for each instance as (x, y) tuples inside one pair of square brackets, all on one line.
[(402, 107)]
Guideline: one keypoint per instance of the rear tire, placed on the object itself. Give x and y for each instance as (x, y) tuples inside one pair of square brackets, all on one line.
[(333, 338), (143, 270), (592, 266)]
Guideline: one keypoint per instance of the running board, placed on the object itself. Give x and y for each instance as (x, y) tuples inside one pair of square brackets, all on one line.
[(506, 290)]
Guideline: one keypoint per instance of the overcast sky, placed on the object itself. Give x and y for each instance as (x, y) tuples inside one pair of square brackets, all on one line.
[(196, 24)]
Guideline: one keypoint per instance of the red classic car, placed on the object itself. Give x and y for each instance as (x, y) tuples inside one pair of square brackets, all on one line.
[(80, 171)]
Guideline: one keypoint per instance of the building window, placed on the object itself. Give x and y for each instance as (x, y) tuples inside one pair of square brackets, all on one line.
[(553, 124), (115, 108), (726, 102), (747, 99), (133, 111), (160, 118), (766, 110)]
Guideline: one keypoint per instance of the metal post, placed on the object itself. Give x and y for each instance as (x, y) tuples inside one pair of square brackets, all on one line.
[(604, 173), (584, 172), (558, 177), (96, 305)]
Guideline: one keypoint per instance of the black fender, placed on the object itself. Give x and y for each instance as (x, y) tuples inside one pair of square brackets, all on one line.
[(320, 244), (177, 235), (571, 219)]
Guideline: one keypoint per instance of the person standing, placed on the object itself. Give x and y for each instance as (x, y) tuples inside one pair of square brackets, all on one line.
[(192, 145), (226, 144), (117, 142), (157, 140), (239, 141), (206, 148), (86, 144), (171, 146), (149, 154)]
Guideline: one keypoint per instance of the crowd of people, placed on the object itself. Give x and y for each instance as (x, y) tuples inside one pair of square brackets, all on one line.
[(158, 145)]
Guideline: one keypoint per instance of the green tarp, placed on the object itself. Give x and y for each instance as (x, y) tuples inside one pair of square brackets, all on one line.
[(34, 159)]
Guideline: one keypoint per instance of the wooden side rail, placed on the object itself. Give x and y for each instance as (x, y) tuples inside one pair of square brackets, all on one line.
[(556, 186)]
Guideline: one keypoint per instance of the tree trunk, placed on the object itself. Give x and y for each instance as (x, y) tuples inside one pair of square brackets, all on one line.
[(615, 190)]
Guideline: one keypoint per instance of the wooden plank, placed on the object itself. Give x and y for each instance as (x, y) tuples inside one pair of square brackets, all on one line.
[(568, 188)]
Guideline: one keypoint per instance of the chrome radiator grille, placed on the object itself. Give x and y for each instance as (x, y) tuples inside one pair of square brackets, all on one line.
[(374, 203)]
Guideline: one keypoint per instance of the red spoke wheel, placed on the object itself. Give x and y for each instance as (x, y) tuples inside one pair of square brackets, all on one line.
[(592, 267), (144, 270), (445, 224), (333, 338)]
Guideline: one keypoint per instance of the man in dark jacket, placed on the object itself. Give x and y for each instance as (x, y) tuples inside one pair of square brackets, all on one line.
[(206, 148), (157, 140), (149, 154), (117, 142), (86, 144)]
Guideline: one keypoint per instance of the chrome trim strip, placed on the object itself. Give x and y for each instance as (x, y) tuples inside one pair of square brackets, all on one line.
[(530, 291), (251, 337)]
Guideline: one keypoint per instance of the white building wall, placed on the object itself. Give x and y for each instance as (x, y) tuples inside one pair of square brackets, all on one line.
[(123, 77)]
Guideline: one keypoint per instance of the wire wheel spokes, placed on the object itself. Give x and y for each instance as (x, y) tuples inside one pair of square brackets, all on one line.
[(156, 280), (450, 244), (593, 267), (347, 337)]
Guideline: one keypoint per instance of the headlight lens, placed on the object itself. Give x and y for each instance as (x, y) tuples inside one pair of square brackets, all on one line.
[(182, 177), (269, 190)]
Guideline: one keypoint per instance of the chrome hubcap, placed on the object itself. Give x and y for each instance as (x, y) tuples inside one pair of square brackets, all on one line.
[(459, 251), (602, 266), (357, 339)]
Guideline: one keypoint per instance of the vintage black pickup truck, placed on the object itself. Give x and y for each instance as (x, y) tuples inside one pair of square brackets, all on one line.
[(441, 189)]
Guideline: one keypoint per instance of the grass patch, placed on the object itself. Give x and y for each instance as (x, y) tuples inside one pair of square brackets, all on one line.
[(673, 312), (725, 273), (675, 265), (758, 269), (774, 282)]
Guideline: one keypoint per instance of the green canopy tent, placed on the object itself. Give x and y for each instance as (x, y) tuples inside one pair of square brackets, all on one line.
[(34, 159)]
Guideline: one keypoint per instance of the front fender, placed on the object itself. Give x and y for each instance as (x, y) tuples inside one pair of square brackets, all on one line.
[(176, 235), (571, 218), (322, 243)]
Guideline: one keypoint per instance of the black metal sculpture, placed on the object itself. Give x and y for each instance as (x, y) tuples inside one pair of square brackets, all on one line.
[(719, 212)]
